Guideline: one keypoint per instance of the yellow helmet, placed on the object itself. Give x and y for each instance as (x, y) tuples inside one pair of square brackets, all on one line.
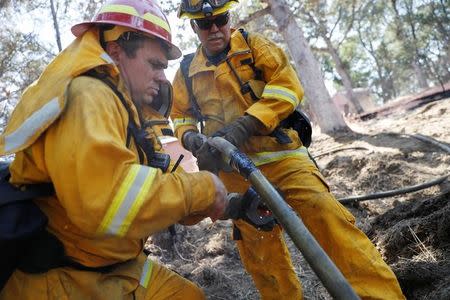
[(198, 9)]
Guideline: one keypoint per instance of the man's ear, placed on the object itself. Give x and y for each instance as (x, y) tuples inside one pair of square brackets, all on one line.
[(114, 51)]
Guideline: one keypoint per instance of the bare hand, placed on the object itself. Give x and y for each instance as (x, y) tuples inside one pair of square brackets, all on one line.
[(217, 209)]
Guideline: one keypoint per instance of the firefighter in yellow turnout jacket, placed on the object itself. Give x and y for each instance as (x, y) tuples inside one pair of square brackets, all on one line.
[(220, 66), (72, 129)]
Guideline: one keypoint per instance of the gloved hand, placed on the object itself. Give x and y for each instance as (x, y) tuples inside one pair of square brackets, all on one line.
[(248, 207), (192, 141), (239, 131), (209, 159)]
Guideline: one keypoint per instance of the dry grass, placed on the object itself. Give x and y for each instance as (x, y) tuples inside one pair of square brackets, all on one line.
[(425, 254)]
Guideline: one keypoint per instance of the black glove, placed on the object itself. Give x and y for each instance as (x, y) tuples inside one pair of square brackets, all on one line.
[(192, 141), (248, 207), (239, 131), (209, 159)]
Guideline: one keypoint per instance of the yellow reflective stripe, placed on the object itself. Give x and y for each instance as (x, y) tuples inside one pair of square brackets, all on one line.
[(137, 203), (128, 200), (146, 273), (129, 10), (282, 93), (32, 124), (119, 8), (183, 122), (262, 158), (157, 21), (118, 199)]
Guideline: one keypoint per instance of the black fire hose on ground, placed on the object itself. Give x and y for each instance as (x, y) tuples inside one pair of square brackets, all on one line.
[(391, 193), (328, 273)]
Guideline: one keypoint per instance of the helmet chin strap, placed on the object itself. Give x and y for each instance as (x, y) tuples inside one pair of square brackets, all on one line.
[(102, 30)]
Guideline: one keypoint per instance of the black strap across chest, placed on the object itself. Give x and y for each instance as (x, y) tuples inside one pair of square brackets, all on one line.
[(184, 67)]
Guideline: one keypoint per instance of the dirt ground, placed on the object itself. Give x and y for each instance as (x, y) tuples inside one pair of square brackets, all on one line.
[(412, 231)]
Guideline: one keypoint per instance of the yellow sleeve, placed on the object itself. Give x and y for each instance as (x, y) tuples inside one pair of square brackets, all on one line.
[(283, 91), (181, 114), (99, 182)]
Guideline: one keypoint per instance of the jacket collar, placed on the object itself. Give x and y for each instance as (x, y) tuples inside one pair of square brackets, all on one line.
[(200, 62)]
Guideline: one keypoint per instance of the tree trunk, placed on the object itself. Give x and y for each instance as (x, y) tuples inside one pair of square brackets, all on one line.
[(421, 79), (410, 43), (329, 118), (346, 81), (55, 25)]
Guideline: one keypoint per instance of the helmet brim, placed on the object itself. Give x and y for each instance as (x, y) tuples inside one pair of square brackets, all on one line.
[(173, 52)]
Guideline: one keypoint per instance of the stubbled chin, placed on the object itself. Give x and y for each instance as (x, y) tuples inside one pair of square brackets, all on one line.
[(145, 101), (149, 100), (215, 47)]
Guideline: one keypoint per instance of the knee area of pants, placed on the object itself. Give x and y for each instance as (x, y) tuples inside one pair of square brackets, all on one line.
[(322, 208)]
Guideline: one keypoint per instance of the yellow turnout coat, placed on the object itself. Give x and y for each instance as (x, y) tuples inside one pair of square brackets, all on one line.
[(71, 130), (287, 166)]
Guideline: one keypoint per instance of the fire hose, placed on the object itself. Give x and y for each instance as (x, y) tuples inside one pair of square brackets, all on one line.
[(321, 264)]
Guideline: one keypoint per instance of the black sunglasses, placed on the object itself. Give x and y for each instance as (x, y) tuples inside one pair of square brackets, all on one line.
[(206, 24)]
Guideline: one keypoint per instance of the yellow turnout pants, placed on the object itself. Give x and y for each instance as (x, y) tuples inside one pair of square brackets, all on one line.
[(137, 279), (265, 255)]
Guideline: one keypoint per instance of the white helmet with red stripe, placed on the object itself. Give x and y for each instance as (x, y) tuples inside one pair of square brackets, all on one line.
[(141, 15)]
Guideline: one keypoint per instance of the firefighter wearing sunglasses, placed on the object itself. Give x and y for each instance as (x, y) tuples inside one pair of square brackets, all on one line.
[(243, 86)]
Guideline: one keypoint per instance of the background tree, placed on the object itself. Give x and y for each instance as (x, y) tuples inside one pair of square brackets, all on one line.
[(371, 25), (435, 33), (22, 58), (391, 48), (24, 55), (326, 114), (406, 31), (326, 19)]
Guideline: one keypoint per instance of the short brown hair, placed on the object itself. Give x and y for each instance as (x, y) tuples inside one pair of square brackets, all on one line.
[(131, 41)]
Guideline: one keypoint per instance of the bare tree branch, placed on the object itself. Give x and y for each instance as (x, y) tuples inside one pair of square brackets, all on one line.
[(257, 14), (335, 25), (4, 3), (56, 26), (349, 27)]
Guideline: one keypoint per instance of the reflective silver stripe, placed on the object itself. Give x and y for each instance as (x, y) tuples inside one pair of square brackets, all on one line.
[(282, 93), (183, 122), (146, 273), (107, 58), (34, 123), (263, 158), (128, 200)]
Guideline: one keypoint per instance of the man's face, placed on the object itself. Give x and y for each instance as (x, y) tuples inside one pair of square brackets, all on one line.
[(144, 72), (213, 33)]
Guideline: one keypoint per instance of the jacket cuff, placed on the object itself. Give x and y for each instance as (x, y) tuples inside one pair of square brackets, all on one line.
[(265, 115), (202, 192), (180, 131)]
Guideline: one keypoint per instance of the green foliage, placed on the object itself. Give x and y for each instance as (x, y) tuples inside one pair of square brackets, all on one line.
[(23, 53), (391, 47), (392, 50), (22, 59)]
